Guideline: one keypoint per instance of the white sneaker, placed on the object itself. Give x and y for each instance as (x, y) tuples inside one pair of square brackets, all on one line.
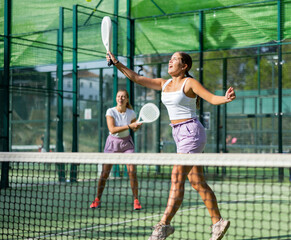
[(219, 229), (161, 232)]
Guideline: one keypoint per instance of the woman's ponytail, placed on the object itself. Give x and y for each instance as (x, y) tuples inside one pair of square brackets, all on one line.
[(186, 59)]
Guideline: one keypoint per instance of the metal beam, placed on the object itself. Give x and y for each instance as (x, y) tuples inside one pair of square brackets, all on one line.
[(60, 122), (4, 95), (201, 48), (158, 7), (75, 79), (116, 169), (73, 170), (280, 111), (48, 113), (115, 50), (100, 111), (130, 51), (92, 13)]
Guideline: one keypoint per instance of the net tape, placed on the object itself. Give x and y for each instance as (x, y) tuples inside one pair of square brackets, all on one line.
[(203, 159)]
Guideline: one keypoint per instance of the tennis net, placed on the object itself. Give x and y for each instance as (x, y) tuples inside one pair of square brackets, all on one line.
[(48, 196)]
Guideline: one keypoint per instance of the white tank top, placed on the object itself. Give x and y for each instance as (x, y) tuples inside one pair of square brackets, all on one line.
[(179, 106)]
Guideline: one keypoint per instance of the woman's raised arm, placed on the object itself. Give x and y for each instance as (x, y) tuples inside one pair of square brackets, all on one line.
[(153, 83)]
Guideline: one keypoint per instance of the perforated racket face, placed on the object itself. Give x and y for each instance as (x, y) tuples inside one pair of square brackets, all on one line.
[(148, 113), (106, 32)]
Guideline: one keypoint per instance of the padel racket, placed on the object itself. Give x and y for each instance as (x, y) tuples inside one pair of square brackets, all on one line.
[(106, 34), (148, 113)]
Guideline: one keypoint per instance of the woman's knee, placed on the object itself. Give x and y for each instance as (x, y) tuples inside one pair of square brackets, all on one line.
[(131, 170), (179, 174), (105, 174), (106, 171), (201, 186)]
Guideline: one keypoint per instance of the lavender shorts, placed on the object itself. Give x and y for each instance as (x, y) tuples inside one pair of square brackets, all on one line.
[(119, 145), (190, 136)]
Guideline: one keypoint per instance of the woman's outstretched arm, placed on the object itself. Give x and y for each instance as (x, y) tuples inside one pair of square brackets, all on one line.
[(153, 83), (198, 89)]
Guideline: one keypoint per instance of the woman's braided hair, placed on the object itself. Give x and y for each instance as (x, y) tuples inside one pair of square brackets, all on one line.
[(186, 59)]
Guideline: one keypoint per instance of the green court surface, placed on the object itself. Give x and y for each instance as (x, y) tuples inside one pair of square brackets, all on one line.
[(37, 206)]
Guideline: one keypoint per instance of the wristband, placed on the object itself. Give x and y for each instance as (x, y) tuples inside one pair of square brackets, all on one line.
[(116, 63)]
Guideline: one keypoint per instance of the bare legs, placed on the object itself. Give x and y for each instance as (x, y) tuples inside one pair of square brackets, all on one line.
[(106, 169), (133, 180), (176, 195), (179, 174), (197, 180)]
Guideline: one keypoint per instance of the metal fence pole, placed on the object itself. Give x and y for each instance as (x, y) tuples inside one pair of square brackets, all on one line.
[(100, 111), (59, 140), (201, 56), (48, 113), (116, 169), (73, 170), (4, 95), (158, 123), (280, 112), (224, 109)]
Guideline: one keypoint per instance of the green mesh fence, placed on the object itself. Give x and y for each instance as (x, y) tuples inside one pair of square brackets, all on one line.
[(227, 24), (245, 30)]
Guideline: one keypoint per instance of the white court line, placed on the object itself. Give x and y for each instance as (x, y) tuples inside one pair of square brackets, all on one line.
[(137, 219)]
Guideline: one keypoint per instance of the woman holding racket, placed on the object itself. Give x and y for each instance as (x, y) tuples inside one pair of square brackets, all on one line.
[(120, 119), (181, 95)]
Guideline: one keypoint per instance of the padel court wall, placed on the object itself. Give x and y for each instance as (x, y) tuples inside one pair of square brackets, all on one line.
[(54, 94)]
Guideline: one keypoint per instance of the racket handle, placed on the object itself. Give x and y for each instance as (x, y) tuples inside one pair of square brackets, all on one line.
[(110, 63)]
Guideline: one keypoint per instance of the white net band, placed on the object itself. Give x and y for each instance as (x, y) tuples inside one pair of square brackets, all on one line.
[(203, 159)]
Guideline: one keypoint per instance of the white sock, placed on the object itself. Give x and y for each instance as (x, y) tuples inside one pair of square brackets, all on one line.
[(218, 222)]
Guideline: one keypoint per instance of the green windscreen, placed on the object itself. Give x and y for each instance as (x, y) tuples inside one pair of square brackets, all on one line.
[(160, 27)]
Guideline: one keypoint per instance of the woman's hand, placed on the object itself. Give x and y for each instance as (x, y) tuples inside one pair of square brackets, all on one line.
[(230, 95), (110, 56), (134, 126)]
